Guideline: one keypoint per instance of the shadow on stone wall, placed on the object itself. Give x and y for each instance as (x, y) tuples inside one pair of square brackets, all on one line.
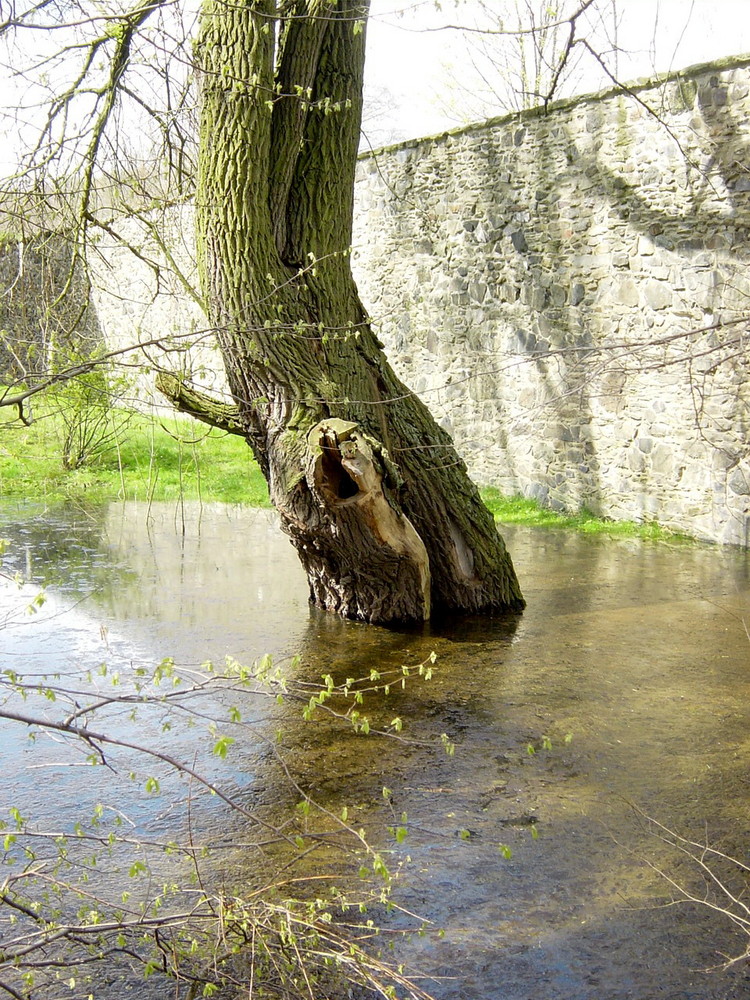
[(569, 293)]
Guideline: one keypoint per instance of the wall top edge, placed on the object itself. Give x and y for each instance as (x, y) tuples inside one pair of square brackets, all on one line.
[(631, 88)]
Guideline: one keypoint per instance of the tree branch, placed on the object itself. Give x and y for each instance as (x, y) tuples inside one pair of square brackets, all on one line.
[(93, 738), (199, 404)]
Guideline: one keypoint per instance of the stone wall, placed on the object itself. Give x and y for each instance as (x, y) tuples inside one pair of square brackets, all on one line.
[(568, 291), (145, 292)]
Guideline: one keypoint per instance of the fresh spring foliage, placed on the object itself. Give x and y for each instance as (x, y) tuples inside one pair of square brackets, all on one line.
[(101, 888)]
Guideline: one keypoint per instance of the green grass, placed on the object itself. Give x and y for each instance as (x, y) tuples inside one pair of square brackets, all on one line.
[(155, 459), (520, 510), (173, 457)]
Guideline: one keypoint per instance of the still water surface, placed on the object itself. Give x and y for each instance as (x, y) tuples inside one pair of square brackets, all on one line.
[(639, 651)]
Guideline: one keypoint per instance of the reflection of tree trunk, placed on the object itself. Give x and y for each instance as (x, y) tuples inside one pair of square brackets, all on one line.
[(369, 488)]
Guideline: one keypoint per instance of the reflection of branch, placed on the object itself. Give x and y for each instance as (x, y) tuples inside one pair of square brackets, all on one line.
[(94, 739), (728, 903)]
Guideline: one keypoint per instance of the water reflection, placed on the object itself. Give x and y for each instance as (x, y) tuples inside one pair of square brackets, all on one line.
[(640, 651)]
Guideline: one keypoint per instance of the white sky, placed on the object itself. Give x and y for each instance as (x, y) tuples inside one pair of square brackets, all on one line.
[(655, 36), (410, 55)]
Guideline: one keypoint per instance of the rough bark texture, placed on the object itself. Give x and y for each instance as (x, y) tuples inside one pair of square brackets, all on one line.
[(370, 489)]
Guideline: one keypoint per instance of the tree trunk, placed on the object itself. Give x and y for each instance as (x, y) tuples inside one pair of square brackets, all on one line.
[(370, 489)]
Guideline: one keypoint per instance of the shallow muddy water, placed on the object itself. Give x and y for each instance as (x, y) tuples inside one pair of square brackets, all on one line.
[(628, 675)]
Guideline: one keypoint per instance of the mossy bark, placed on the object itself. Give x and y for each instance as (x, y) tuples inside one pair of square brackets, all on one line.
[(370, 489)]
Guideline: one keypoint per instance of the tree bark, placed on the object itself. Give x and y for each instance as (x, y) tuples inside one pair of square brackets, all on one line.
[(374, 496)]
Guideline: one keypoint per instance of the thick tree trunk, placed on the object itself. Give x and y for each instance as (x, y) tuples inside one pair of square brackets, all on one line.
[(370, 489)]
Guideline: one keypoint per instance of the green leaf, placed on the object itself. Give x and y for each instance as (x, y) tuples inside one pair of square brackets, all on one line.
[(505, 851), (222, 745), (379, 867), (264, 666)]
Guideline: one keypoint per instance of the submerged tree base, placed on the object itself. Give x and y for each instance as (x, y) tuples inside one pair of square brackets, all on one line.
[(351, 526), (344, 504)]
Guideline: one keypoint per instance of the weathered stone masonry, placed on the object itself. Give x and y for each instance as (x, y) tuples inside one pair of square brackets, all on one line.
[(537, 278), (568, 292)]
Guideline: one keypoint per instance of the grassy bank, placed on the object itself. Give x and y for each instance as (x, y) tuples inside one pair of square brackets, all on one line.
[(519, 510), (151, 459), (167, 458)]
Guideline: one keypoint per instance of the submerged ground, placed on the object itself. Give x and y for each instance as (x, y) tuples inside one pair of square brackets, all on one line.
[(625, 683)]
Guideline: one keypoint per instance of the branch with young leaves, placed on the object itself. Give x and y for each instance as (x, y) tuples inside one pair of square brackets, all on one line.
[(51, 914)]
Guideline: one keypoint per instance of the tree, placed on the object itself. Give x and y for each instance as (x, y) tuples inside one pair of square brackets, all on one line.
[(375, 498)]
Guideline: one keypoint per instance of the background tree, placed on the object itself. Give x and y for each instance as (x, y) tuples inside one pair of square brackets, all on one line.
[(517, 54)]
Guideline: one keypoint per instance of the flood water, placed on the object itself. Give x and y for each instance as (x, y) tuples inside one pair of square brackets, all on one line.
[(628, 676)]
